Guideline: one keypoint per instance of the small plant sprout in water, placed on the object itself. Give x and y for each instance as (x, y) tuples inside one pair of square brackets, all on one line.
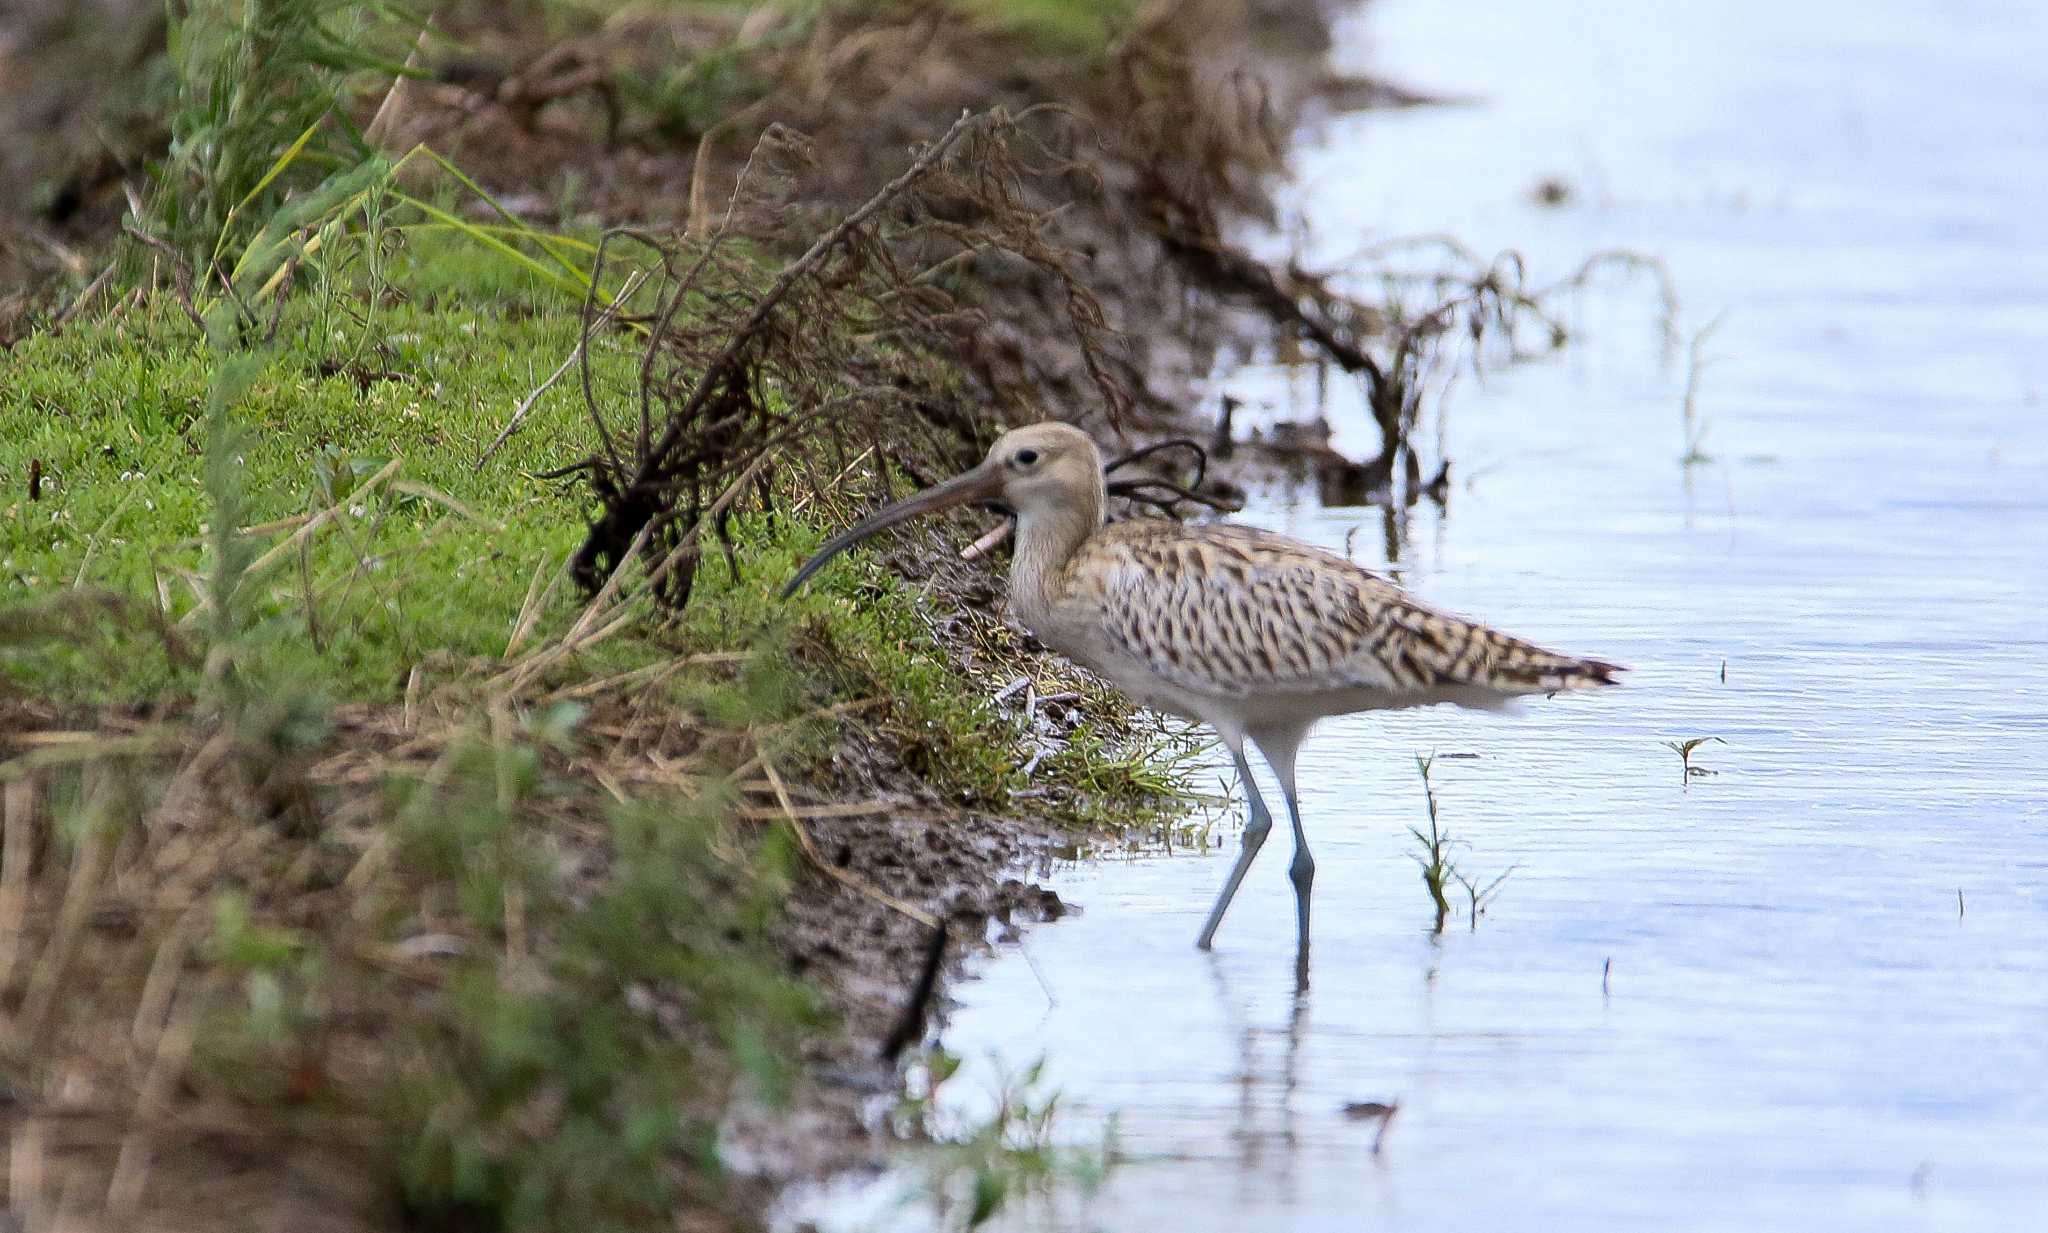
[(1433, 858), (1684, 750), (1696, 425), (1478, 896), (1439, 870)]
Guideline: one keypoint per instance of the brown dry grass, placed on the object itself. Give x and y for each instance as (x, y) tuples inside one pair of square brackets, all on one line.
[(146, 1108)]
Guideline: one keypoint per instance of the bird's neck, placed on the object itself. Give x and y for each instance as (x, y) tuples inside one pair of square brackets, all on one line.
[(1047, 539)]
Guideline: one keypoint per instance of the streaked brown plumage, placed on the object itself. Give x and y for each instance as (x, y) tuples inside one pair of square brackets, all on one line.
[(1253, 633), (1233, 610)]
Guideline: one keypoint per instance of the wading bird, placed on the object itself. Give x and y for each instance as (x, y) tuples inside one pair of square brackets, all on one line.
[(1253, 633)]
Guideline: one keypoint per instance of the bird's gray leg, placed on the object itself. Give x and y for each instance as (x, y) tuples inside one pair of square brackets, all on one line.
[(1302, 872), (1280, 744), (1255, 831)]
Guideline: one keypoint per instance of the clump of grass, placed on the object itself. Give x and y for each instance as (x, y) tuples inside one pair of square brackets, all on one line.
[(978, 1169), (691, 95), (555, 1037), (1684, 749), (258, 112), (516, 1007), (1439, 870), (553, 1087)]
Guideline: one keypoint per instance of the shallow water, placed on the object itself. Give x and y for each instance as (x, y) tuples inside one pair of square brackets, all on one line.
[(1800, 1029)]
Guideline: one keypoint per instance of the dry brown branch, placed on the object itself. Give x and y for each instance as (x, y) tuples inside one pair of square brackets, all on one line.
[(634, 500), (74, 753), (92, 289), (46, 982), (181, 274), (17, 850), (167, 1066)]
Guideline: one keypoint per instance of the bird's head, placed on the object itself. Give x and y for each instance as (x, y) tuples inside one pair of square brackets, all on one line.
[(1036, 471)]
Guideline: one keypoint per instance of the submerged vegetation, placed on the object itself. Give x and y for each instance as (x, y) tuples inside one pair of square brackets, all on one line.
[(1440, 871), (1013, 1155), (1696, 423)]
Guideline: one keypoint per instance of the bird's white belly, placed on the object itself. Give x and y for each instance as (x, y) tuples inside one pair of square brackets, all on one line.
[(1132, 679)]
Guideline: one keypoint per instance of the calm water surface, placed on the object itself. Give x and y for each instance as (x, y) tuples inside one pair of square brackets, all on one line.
[(1800, 1030)]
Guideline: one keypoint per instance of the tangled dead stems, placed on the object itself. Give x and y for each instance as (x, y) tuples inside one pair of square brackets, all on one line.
[(1492, 308), (1163, 494), (846, 346)]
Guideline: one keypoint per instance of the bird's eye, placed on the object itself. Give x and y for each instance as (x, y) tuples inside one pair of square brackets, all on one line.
[(1026, 457)]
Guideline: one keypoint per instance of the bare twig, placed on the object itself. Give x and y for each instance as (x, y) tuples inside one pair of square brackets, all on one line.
[(181, 274), (764, 309), (719, 414), (527, 404), (91, 289)]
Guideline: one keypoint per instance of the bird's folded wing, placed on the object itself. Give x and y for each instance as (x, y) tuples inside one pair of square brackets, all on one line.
[(1229, 611)]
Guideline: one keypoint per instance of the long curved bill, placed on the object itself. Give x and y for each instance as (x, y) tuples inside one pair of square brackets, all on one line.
[(983, 483)]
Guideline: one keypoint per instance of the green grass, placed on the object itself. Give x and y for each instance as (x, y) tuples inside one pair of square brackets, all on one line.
[(1014, 1157), (112, 413), (1062, 26), (430, 570)]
